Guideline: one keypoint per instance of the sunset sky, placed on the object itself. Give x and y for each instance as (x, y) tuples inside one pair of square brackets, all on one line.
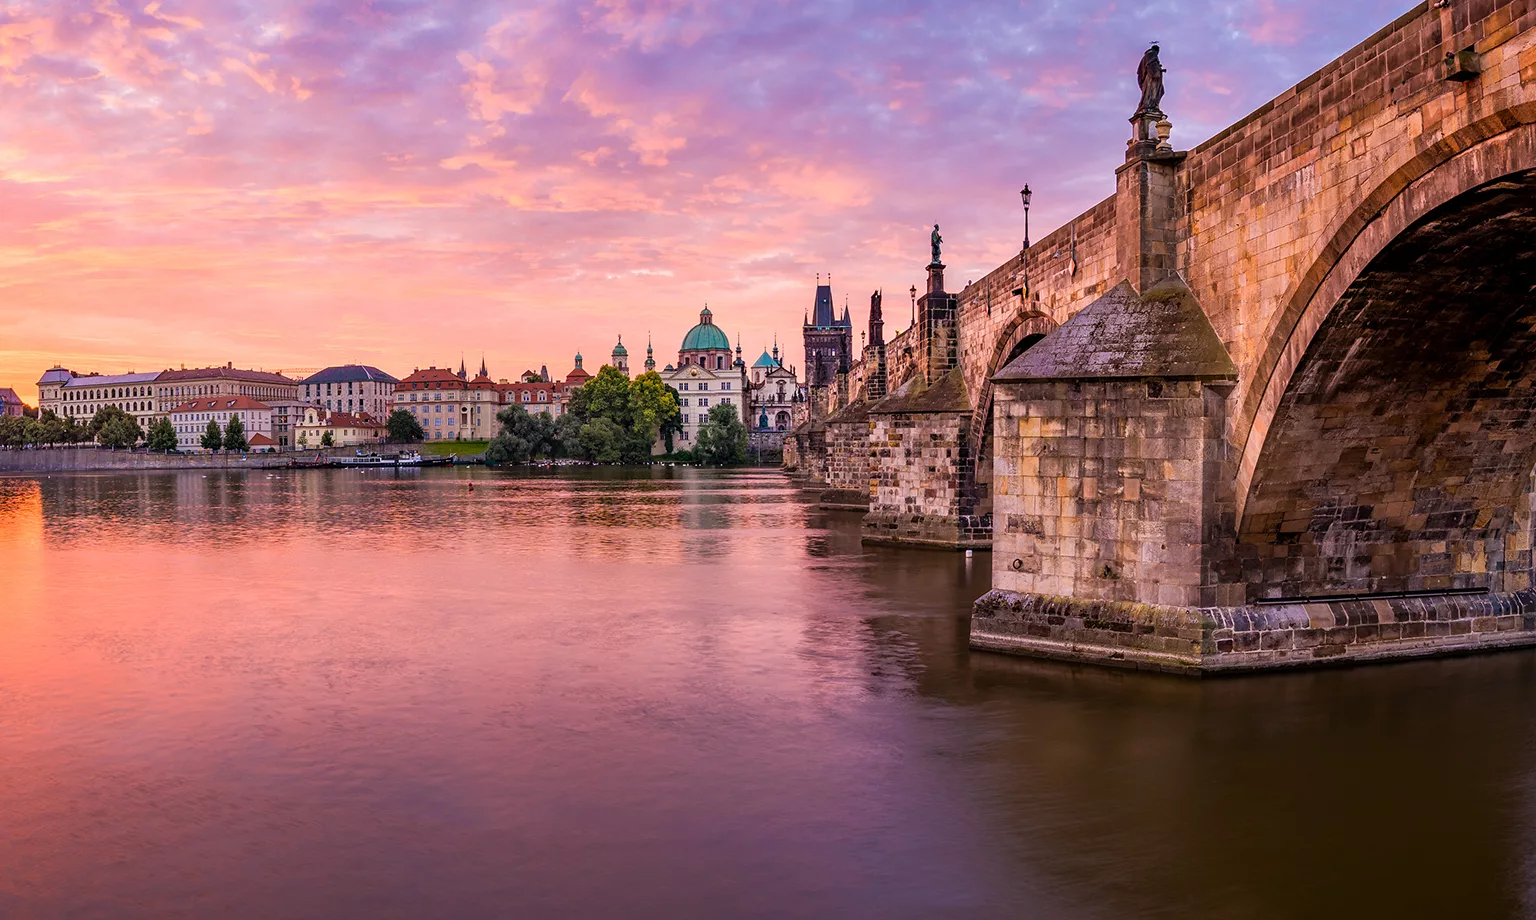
[(398, 182)]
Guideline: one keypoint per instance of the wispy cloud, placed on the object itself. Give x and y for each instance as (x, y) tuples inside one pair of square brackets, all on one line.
[(403, 181)]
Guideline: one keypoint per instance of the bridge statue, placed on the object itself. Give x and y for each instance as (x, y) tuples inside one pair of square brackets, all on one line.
[(936, 240), (1149, 76)]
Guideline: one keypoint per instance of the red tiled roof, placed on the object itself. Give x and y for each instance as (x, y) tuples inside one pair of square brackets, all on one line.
[(220, 404), (260, 440), (224, 373), (348, 420), (424, 378)]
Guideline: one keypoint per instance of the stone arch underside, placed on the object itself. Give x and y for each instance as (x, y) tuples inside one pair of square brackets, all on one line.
[(1500, 144), (1016, 338), (1399, 458)]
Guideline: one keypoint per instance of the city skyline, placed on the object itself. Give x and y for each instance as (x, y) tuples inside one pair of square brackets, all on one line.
[(305, 185)]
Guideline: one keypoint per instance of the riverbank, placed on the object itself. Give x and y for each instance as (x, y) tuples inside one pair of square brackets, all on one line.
[(98, 460)]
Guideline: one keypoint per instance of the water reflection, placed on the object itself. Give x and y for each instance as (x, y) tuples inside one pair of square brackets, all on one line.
[(682, 695)]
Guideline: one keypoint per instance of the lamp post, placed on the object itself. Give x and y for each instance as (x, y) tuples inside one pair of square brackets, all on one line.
[(1026, 194), (914, 307)]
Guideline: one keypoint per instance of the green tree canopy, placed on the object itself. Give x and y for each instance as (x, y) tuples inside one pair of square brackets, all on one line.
[(568, 435), (604, 396), (104, 415), (13, 430), (327, 439), (722, 437), (653, 412), (234, 434), (162, 436), (213, 438), (523, 436), (121, 430), (404, 428), (603, 440)]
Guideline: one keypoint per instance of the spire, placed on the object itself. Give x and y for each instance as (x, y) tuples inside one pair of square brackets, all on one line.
[(463, 371), (483, 371), (650, 356)]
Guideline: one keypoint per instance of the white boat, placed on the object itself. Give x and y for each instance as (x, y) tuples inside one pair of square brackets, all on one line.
[(374, 460)]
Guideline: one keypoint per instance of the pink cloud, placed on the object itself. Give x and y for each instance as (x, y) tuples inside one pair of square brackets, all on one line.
[(295, 182)]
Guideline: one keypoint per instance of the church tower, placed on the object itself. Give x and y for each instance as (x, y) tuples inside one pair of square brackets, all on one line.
[(621, 357), (828, 344)]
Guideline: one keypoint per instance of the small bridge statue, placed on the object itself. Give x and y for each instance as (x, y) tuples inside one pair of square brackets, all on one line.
[(935, 240), (1149, 76)]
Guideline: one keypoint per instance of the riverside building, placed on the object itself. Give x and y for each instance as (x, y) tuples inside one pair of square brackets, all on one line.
[(351, 388), (707, 374), (191, 418)]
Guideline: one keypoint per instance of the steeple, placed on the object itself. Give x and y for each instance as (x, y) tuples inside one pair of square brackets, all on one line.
[(650, 356), (463, 371), (483, 371)]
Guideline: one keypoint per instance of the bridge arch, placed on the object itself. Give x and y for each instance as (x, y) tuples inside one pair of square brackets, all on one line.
[(1394, 445), (1016, 337), (1501, 144)]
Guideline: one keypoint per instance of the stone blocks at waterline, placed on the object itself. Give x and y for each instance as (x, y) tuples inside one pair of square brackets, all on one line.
[(807, 444), (1225, 640)]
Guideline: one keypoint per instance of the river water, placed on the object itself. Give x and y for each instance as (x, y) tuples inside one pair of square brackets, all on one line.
[(684, 694)]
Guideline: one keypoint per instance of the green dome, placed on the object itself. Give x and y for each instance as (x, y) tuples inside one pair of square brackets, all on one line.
[(619, 349), (706, 336)]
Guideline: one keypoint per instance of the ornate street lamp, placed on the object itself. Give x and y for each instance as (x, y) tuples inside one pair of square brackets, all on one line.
[(1026, 194), (914, 307)]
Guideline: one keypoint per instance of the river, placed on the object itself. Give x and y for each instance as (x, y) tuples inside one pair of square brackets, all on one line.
[(679, 694)]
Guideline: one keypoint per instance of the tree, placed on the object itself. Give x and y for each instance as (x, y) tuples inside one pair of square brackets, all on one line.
[(304, 440), (602, 440), (234, 435), (13, 430), (103, 416), (604, 396), (653, 407), (327, 440), (404, 428), (722, 437), (567, 438), (121, 430), (162, 436), (213, 438), (673, 426), (523, 436)]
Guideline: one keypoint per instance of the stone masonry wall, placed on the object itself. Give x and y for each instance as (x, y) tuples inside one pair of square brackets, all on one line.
[(848, 467), (1110, 490), (918, 479), (1276, 202)]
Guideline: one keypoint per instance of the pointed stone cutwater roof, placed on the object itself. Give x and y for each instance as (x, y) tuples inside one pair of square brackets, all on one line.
[(1161, 333), (947, 394)]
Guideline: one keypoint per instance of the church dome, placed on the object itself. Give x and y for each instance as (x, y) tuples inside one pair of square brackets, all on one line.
[(706, 336), (765, 361), (619, 349)]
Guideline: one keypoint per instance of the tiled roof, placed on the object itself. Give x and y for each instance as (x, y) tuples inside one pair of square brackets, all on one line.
[(428, 375), (224, 373), (260, 440), (55, 375), (350, 373), (348, 420), (8, 395), (221, 404), (109, 380)]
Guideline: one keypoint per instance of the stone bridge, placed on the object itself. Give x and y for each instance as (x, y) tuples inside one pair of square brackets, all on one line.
[(1272, 403)]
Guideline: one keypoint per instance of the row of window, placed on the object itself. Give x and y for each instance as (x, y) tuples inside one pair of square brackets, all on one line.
[(704, 385)]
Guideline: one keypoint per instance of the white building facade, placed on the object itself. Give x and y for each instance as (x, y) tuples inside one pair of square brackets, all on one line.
[(190, 419)]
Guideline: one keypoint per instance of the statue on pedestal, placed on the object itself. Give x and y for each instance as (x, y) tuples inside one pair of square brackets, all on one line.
[(935, 240), (1149, 76)]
